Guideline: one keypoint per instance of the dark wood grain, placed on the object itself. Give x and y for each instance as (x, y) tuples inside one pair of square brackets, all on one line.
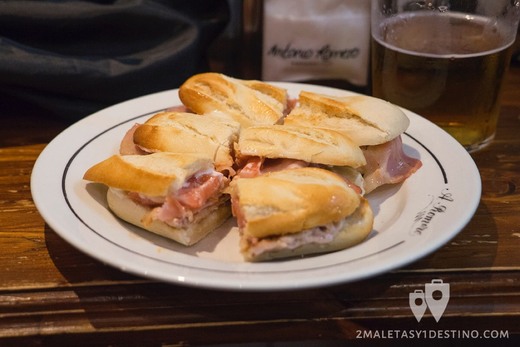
[(52, 294)]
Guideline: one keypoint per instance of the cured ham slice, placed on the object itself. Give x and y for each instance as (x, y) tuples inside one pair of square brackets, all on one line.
[(198, 190), (387, 164), (256, 166), (178, 208), (127, 146)]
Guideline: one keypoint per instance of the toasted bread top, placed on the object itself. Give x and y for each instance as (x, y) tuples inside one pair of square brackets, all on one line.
[(208, 135), (290, 201), (349, 232), (248, 102), (310, 144), (152, 175), (366, 120)]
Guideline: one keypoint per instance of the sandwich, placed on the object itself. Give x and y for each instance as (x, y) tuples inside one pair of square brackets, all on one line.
[(178, 196), (298, 212), (248, 102), (265, 148), (373, 124), (292, 172), (181, 132), (366, 120)]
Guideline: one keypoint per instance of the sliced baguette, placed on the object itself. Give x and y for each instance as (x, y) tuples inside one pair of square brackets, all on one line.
[(353, 230), (290, 201), (155, 177), (203, 222), (366, 120), (310, 144), (152, 175), (180, 132), (247, 102)]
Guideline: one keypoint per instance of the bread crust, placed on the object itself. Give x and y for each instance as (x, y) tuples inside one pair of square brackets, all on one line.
[(204, 222), (366, 120), (290, 201), (247, 102), (180, 132), (310, 144), (153, 175), (356, 229)]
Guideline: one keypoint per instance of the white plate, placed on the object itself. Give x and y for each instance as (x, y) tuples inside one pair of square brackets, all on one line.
[(411, 220)]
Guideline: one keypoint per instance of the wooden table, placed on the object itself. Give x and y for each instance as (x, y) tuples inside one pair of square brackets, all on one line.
[(52, 294)]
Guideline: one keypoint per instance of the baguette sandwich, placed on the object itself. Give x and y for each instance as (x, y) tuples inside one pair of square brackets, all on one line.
[(292, 172), (373, 124), (248, 102), (297, 212), (265, 148), (181, 132), (178, 196)]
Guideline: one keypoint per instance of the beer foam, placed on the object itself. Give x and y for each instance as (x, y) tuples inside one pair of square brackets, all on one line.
[(471, 35)]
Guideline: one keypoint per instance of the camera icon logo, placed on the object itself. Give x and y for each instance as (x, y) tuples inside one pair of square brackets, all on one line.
[(435, 296)]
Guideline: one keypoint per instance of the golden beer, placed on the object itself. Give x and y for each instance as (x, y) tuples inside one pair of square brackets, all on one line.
[(448, 68)]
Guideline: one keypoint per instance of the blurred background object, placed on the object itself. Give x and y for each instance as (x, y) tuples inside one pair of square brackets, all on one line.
[(71, 58), (516, 48), (237, 51), (319, 42), (445, 60), (308, 40)]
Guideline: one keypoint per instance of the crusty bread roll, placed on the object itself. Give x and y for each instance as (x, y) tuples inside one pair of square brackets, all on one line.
[(366, 120), (310, 144), (162, 193), (153, 175), (289, 201), (180, 132), (247, 102), (203, 222), (293, 206), (349, 232), (167, 184)]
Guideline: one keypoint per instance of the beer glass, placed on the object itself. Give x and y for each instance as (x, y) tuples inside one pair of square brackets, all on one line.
[(445, 60)]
